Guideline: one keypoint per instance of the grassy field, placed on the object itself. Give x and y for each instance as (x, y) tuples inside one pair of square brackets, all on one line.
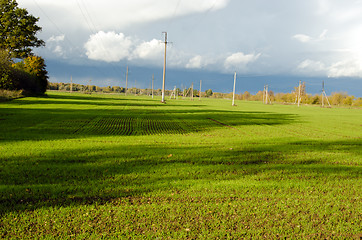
[(109, 166)]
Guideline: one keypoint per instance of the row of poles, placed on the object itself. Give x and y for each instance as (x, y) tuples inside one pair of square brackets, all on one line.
[(266, 98)]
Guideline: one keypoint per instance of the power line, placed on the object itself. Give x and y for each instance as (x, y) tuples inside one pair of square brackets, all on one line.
[(55, 25), (85, 18), (174, 14), (69, 42), (93, 30), (89, 16)]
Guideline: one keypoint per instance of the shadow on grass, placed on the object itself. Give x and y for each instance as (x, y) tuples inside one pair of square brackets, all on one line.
[(59, 178), (96, 100), (60, 123)]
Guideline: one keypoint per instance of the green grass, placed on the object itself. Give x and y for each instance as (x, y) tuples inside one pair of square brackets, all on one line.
[(109, 166)]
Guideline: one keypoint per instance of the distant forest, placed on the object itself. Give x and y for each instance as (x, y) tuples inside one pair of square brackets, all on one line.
[(336, 98)]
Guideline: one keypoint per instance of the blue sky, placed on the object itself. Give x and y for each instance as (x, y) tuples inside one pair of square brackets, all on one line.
[(266, 42)]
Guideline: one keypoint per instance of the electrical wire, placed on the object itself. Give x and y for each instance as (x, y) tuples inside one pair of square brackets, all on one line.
[(70, 43), (89, 22)]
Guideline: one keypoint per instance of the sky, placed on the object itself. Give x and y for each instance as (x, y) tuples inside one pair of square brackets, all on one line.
[(275, 42)]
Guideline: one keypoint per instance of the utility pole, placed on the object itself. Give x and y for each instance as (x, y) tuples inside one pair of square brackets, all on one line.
[(200, 90), (192, 91), (299, 92), (125, 93), (89, 86), (234, 89), (324, 95), (71, 84), (135, 87), (153, 79), (164, 70), (173, 93), (266, 95)]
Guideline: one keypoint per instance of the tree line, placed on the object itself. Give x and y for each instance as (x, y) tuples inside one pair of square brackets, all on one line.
[(336, 98)]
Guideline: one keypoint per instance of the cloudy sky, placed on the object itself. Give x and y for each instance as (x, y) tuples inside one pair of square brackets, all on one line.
[(309, 39)]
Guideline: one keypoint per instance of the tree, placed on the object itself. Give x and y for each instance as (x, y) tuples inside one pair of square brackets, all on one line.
[(348, 100), (5, 71), (208, 93), (196, 93), (271, 96), (337, 98), (246, 95), (18, 30), (258, 96), (316, 99), (358, 102), (34, 76)]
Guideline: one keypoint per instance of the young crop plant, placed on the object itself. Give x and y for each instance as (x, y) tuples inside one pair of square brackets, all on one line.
[(80, 166)]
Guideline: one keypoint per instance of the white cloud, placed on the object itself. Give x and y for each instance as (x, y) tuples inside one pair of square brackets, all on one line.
[(59, 38), (116, 15), (149, 50), (108, 47), (54, 44), (195, 29), (322, 36), (239, 60), (195, 62), (347, 68), (312, 67), (302, 38), (59, 50), (305, 38)]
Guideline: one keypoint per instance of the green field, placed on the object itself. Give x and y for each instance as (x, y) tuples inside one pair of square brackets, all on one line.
[(110, 166)]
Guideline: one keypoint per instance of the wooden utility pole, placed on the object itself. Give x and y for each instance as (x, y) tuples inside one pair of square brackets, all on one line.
[(234, 90), (164, 70), (89, 86), (153, 79), (71, 84), (125, 93), (200, 90), (192, 91), (299, 92), (135, 87), (173, 93), (324, 95)]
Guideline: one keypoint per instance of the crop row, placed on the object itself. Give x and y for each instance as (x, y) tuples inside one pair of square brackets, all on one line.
[(61, 127), (127, 126)]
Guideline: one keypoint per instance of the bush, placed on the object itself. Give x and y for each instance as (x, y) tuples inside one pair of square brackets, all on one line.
[(8, 94), (357, 102), (31, 74)]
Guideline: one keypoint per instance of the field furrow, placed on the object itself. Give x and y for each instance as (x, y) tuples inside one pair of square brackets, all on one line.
[(76, 166)]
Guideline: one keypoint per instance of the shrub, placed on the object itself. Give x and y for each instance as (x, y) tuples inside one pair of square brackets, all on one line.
[(31, 74), (357, 102), (10, 94)]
